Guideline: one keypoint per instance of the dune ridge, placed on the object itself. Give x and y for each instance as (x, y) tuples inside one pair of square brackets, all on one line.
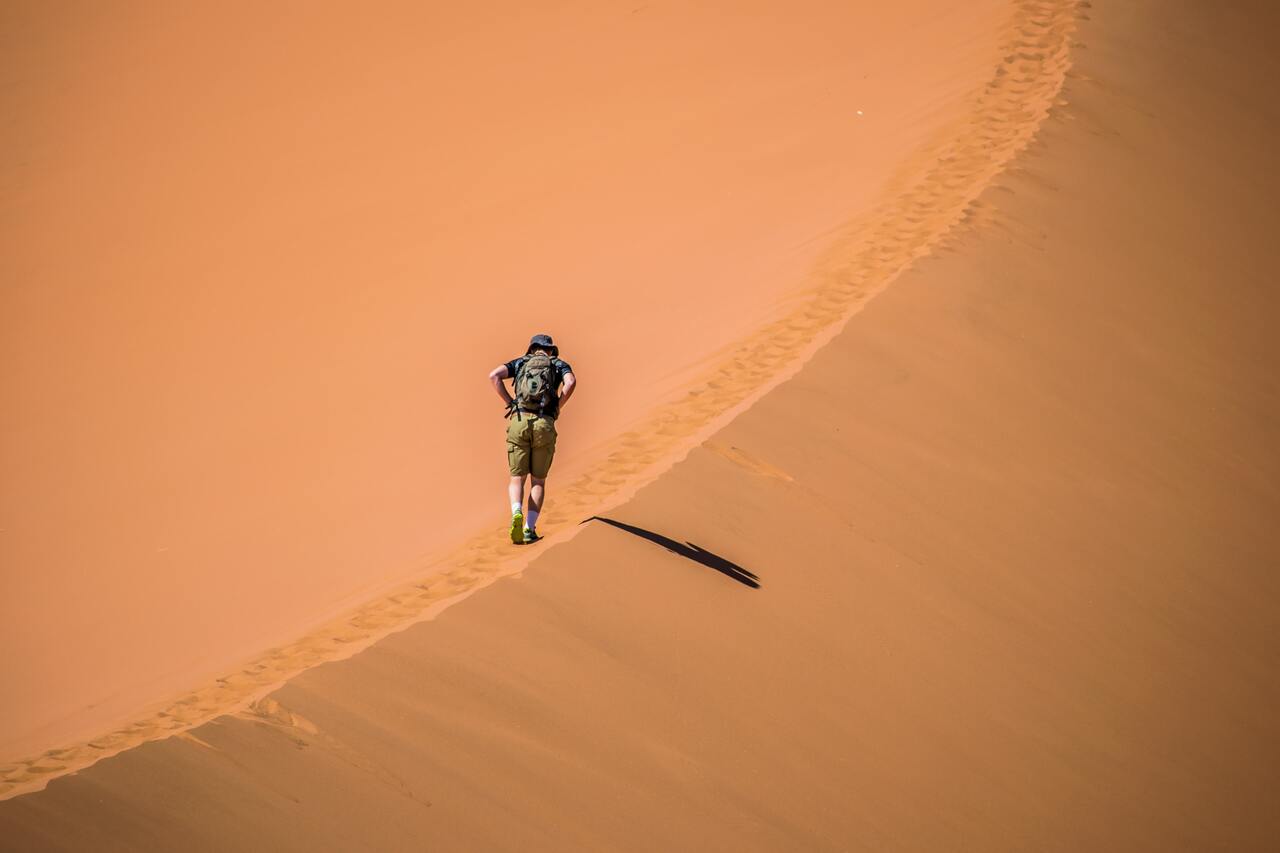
[(936, 193)]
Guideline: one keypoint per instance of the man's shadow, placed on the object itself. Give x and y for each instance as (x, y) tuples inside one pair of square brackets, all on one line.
[(688, 550)]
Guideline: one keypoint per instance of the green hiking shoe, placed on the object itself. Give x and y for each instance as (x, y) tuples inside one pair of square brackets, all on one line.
[(517, 528), (530, 536)]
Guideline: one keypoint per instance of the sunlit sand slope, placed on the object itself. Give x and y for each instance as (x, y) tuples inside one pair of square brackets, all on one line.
[(930, 195), (1013, 531), (259, 259)]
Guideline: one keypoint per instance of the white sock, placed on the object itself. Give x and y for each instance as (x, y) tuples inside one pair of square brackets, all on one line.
[(515, 507), (531, 519)]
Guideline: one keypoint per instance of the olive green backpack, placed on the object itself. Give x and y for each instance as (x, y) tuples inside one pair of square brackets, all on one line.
[(536, 384)]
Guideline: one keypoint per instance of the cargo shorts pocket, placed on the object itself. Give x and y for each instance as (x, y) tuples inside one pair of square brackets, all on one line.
[(518, 450)]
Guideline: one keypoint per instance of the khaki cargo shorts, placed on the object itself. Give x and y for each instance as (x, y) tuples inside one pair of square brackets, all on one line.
[(531, 444)]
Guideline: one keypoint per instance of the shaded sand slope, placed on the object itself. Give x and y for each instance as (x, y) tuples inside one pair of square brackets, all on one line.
[(1014, 534)]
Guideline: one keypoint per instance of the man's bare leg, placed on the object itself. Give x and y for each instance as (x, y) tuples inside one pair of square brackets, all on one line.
[(537, 488), (515, 491)]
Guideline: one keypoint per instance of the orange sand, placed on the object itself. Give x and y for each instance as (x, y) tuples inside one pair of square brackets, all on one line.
[(1014, 530), (260, 261)]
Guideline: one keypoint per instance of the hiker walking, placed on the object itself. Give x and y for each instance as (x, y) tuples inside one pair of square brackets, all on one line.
[(531, 428)]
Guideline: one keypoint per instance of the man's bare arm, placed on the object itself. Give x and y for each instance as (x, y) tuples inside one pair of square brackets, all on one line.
[(570, 382), (496, 376)]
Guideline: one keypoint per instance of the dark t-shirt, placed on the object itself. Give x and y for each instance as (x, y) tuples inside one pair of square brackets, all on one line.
[(561, 367)]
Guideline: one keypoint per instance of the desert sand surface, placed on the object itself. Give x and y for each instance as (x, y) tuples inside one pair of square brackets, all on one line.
[(259, 260), (993, 570)]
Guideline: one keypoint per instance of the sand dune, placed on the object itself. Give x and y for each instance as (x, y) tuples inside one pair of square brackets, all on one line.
[(1013, 530), (260, 261), (1000, 118)]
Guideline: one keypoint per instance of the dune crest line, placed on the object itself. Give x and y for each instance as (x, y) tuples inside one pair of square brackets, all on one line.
[(866, 257)]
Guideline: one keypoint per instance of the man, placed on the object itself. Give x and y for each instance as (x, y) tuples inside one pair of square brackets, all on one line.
[(541, 385)]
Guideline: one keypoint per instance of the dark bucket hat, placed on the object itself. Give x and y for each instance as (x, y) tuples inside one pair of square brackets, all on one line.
[(543, 342)]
